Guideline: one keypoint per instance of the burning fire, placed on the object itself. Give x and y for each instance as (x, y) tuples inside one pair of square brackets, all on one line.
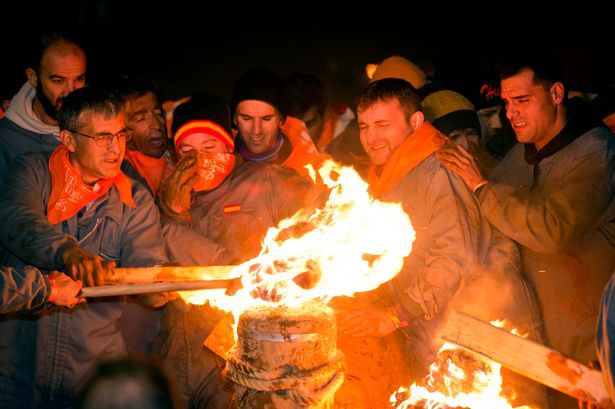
[(353, 244), (458, 380)]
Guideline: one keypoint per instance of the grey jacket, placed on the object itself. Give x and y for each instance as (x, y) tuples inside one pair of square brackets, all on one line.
[(232, 219), (256, 196), (456, 261), (15, 140), (447, 224), (564, 221), (22, 290), (45, 357)]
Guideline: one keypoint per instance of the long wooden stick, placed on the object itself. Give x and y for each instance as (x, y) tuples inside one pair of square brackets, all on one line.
[(168, 273), (526, 357), (144, 288)]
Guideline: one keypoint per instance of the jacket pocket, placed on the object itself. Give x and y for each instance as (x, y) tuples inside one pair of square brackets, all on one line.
[(103, 239)]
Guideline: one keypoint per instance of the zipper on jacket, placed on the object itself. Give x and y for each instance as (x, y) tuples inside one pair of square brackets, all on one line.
[(98, 221)]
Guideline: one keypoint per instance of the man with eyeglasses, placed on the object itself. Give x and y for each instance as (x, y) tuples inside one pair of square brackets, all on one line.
[(72, 210), (57, 67)]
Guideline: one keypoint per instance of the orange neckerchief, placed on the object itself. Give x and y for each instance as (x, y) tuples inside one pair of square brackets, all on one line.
[(69, 194), (609, 121), (304, 151), (153, 170), (212, 169), (415, 149)]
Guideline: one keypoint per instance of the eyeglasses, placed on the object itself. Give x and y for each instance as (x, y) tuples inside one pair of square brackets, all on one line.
[(107, 139)]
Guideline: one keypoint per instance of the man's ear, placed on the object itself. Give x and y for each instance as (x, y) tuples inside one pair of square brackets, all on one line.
[(557, 93), (416, 120), (68, 139), (32, 77)]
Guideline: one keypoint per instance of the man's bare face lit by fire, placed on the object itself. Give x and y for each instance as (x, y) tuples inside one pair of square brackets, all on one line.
[(383, 126), (258, 124)]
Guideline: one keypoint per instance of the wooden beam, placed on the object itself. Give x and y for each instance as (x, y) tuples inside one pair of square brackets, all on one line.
[(168, 273), (231, 285), (526, 357)]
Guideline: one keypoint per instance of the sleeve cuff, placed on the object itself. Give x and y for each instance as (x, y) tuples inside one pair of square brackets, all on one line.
[(172, 215), (479, 185), (408, 311), (394, 316)]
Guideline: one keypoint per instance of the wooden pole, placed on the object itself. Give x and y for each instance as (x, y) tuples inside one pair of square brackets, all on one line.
[(143, 288), (168, 273), (526, 357)]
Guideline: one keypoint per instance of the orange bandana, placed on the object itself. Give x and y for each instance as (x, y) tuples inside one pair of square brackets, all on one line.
[(69, 194), (609, 121), (304, 151), (152, 169), (415, 149), (212, 169)]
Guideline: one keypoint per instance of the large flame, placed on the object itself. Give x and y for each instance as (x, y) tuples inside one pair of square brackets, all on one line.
[(352, 244), (458, 380)]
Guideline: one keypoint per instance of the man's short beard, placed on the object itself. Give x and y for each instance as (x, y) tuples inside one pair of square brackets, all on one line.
[(48, 106)]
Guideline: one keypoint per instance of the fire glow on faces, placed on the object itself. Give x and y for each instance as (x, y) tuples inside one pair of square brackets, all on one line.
[(532, 108), (383, 127), (95, 162), (145, 119), (258, 124)]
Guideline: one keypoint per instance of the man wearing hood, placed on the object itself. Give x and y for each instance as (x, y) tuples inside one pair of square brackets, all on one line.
[(30, 123)]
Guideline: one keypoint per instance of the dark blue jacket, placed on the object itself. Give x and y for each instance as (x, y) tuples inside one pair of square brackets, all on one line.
[(43, 358)]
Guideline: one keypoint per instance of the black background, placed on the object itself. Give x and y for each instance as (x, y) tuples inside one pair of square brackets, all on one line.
[(204, 46)]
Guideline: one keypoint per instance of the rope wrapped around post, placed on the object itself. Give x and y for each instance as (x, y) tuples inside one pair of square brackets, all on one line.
[(303, 387)]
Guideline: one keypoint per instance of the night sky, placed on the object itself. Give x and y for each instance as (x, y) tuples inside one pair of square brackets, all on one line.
[(186, 49)]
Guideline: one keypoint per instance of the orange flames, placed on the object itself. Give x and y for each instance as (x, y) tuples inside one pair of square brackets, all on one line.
[(458, 380), (352, 244)]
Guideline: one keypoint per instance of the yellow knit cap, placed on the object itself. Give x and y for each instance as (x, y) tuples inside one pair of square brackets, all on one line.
[(440, 103), (448, 110), (399, 67)]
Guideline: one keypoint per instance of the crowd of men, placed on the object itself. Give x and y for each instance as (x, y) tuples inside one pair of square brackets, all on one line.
[(99, 177)]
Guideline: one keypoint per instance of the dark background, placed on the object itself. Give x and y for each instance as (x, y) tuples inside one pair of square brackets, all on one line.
[(204, 46)]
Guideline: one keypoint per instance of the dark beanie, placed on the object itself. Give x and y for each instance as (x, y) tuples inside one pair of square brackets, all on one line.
[(448, 110), (198, 113), (261, 85), (203, 107)]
